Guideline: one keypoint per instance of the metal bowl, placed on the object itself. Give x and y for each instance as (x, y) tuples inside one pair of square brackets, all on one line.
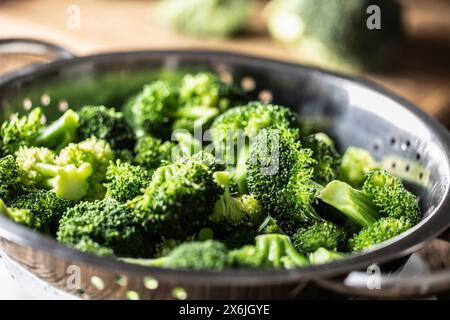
[(353, 111)]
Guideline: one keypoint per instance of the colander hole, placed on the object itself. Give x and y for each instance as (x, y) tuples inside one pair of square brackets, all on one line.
[(12, 276), (97, 282), (405, 146), (63, 105), (179, 293), (248, 84), (393, 165), (80, 292), (45, 99), (418, 156), (393, 141), (421, 175), (376, 147), (13, 117), (27, 104), (407, 168), (265, 96), (150, 283), (132, 295), (226, 77), (121, 281)]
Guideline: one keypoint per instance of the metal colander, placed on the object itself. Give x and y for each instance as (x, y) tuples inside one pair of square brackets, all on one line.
[(354, 112)]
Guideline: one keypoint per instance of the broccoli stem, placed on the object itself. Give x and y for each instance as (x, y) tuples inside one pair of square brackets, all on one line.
[(60, 132), (351, 202), (322, 255), (240, 172)]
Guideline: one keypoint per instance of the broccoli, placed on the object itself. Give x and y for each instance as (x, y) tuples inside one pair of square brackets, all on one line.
[(324, 152), (335, 33), (45, 209), (194, 16), (125, 181), (280, 175), (270, 225), (356, 163), (179, 197), (104, 224), (322, 256), (28, 130), (10, 181), (383, 208), (320, 234), (195, 255), (95, 152), (152, 110), (22, 216), (269, 251), (105, 124), (38, 169), (150, 152), (234, 130)]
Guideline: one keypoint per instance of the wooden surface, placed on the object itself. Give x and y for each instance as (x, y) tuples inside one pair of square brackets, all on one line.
[(421, 75)]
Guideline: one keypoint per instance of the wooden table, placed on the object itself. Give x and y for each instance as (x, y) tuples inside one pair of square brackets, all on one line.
[(422, 75)]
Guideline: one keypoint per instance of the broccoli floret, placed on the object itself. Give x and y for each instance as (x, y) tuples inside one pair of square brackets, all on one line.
[(194, 16), (179, 197), (151, 152), (104, 224), (45, 209), (356, 163), (280, 175), (322, 256), (125, 181), (382, 196), (320, 234), (106, 124), (29, 130), (10, 180), (195, 255), (270, 225), (270, 251), (22, 216), (152, 110), (324, 152), (95, 152), (335, 33), (38, 169), (233, 131)]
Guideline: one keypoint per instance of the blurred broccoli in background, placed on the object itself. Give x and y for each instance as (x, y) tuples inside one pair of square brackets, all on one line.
[(335, 33), (206, 18)]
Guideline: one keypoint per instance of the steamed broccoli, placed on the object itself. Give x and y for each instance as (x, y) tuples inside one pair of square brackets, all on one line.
[(384, 208), (324, 152), (45, 209), (151, 152), (356, 163), (11, 183), (179, 197), (335, 33), (104, 224), (322, 256), (125, 181), (29, 130), (320, 234), (105, 124), (269, 251), (38, 169), (280, 175), (194, 17), (22, 216), (195, 255)]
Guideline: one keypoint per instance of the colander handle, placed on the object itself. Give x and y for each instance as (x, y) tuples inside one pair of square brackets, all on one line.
[(371, 284), (34, 47)]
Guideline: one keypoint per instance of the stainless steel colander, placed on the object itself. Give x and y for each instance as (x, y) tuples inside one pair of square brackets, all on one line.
[(353, 111)]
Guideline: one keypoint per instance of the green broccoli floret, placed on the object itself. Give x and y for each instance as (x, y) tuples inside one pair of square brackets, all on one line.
[(125, 181), (194, 17), (104, 224), (233, 131), (382, 196), (270, 251), (106, 124), (29, 130), (10, 180), (280, 175), (45, 209), (322, 256), (335, 33), (151, 152), (324, 152), (356, 163), (270, 225), (22, 216), (95, 152), (180, 197), (152, 110), (38, 169), (195, 255), (320, 234)]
